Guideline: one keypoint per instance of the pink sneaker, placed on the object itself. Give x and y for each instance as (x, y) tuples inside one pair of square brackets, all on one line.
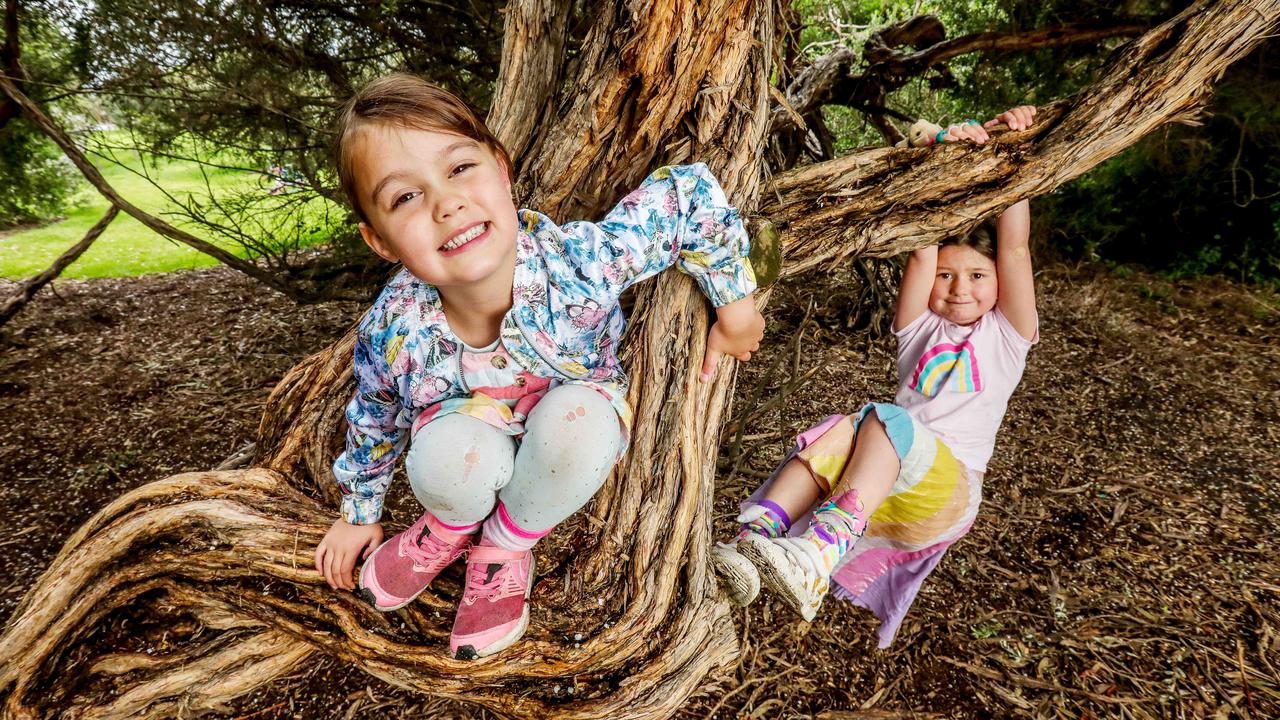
[(494, 611), (402, 567)]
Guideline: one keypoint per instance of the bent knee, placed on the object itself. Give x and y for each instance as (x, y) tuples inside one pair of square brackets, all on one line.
[(456, 452)]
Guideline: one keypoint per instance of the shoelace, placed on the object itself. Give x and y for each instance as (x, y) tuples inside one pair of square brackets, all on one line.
[(433, 554), (503, 584)]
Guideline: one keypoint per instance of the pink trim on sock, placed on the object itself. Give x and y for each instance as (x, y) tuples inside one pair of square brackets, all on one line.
[(516, 529), (460, 529)]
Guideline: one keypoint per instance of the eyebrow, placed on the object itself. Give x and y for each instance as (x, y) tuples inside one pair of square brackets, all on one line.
[(460, 145)]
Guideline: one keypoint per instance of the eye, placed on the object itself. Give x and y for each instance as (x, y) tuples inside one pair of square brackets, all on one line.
[(944, 275), (979, 276), (461, 168), (402, 198)]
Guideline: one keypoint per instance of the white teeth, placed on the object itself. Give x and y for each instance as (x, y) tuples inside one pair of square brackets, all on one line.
[(465, 237)]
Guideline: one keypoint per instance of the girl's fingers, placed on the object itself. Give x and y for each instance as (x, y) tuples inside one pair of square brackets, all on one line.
[(319, 559), (335, 571), (344, 571), (328, 569)]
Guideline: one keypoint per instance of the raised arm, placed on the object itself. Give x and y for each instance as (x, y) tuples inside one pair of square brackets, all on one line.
[(1013, 269), (917, 283)]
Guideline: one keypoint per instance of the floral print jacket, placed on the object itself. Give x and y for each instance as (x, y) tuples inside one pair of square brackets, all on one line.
[(564, 323)]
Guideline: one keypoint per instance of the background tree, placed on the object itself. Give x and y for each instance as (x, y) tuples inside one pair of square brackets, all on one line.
[(210, 571), (37, 180)]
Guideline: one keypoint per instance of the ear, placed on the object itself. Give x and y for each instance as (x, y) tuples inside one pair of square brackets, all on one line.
[(506, 170), (377, 244)]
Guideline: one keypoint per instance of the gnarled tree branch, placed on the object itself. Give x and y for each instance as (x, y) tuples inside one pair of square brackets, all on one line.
[(223, 560), (832, 79)]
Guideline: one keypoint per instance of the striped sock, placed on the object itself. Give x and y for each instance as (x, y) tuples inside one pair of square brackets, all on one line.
[(837, 525), (501, 531), (766, 518)]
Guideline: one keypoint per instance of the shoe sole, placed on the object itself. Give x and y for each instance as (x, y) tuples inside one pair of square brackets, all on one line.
[(739, 578), (770, 561), (468, 652)]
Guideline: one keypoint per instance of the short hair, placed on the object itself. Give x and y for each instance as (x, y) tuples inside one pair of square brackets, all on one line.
[(408, 101), (982, 239)]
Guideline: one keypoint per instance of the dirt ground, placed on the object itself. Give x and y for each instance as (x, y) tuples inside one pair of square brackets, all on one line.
[(1123, 563)]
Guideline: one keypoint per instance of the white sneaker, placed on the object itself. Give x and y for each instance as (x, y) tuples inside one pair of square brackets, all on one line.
[(737, 575), (791, 568)]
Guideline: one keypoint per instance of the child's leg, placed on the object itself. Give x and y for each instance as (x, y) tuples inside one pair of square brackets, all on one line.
[(794, 490), (571, 441), (456, 464), (799, 568), (864, 484)]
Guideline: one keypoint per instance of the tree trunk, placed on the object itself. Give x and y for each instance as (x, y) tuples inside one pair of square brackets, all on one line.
[(195, 589)]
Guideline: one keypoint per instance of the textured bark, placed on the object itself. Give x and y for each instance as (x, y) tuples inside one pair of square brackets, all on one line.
[(213, 571), (28, 289)]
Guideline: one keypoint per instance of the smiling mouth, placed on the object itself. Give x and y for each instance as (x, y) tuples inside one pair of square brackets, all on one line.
[(463, 239)]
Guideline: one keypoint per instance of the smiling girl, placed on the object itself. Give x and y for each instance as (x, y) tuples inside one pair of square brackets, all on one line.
[(872, 500), (491, 354)]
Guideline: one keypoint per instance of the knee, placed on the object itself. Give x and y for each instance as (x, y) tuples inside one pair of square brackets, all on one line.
[(448, 457), (574, 411)]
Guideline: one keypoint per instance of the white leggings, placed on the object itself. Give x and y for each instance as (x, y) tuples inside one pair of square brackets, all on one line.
[(460, 466)]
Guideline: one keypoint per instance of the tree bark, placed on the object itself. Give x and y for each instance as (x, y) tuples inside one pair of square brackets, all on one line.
[(28, 289), (221, 561)]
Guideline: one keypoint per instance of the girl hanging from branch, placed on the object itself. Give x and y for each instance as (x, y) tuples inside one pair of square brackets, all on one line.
[(873, 499)]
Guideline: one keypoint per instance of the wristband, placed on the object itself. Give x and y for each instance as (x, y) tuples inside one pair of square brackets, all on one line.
[(971, 121), (938, 138)]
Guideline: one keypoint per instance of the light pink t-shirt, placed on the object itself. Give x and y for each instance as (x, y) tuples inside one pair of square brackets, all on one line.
[(957, 379)]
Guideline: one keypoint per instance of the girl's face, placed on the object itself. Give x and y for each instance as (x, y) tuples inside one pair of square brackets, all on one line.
[(965, 287), (439, 203)]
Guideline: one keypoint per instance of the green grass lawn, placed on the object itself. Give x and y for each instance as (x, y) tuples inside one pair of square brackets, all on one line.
[(127, 247)]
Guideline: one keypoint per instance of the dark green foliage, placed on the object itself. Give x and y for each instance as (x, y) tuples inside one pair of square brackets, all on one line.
[(1185, 200), (37, 181), (36, 178), (1189, 200)]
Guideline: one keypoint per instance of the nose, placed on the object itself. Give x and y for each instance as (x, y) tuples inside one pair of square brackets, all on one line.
[(959, 286), (447, 205)]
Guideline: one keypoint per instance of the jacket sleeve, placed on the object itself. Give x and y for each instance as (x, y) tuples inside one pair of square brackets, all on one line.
[(376, 435), (678, 216)]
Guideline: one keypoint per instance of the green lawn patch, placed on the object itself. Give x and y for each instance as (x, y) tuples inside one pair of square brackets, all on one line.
[(127, 247)]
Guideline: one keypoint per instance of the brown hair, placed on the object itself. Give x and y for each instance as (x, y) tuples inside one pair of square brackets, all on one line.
[(404, 100), (982, 239)]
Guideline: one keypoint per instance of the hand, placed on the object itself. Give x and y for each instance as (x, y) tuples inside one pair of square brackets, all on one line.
[(1019, 118), (341, 547), (737, 332), (969, 132)]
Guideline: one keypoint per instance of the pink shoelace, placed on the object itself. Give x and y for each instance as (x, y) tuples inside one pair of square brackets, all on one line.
[(433, 554), (505, 582)]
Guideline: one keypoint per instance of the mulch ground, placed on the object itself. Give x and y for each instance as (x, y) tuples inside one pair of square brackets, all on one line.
[(1123, 563)]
